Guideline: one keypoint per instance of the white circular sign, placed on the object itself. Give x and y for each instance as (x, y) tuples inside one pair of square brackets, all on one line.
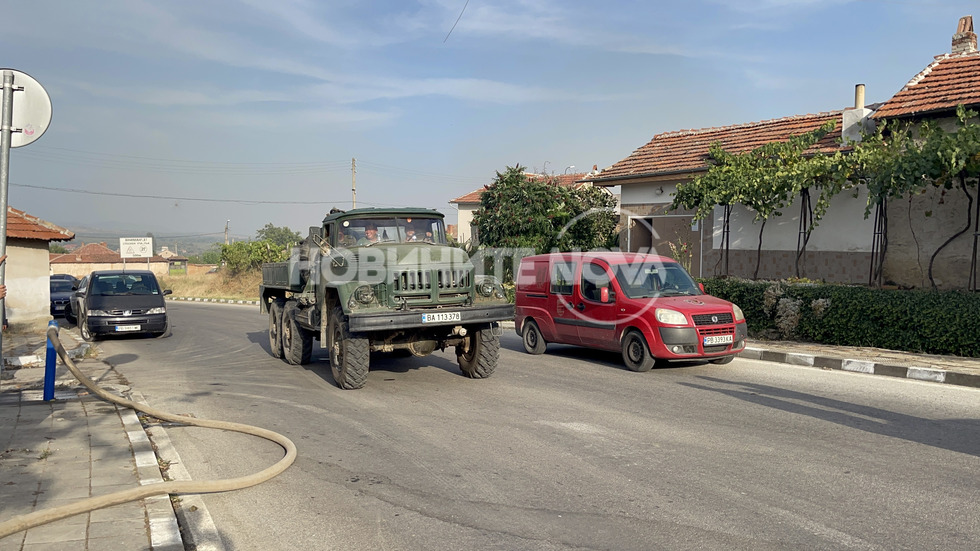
[(31, 109)]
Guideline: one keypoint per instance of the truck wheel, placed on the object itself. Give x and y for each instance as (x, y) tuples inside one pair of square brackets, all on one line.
[(350, 354), (275, 328), (478, 354), (534, 342), (636, 353), (297, 343)]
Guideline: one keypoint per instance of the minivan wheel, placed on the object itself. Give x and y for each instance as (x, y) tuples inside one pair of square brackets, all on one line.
[(636, 353), (87, 335), (166, 331), (534, 342)]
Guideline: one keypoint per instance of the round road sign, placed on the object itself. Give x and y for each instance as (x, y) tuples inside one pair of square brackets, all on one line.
[(31, 109)]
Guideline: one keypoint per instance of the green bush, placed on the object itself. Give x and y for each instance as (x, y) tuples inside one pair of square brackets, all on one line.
[(933, 322)]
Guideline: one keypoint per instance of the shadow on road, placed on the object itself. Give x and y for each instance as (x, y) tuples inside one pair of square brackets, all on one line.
[(958, 435)]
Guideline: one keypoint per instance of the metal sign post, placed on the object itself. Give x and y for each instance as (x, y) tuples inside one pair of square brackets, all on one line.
[(23, 122)]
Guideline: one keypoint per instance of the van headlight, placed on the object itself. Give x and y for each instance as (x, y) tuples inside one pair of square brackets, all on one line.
[(157, 310), (739, 316), (670, 317)]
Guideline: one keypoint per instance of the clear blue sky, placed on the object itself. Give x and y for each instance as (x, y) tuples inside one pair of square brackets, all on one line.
[(251, 110)]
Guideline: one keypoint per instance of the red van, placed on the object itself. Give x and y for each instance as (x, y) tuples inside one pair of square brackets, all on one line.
[(646, 306)]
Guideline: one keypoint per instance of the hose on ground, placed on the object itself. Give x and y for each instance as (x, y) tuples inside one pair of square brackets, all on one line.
[(37, 518)]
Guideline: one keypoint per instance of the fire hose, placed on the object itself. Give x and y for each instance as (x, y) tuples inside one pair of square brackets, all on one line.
[(44, 516)]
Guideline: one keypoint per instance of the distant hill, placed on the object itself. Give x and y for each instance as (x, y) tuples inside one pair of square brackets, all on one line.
[(184, 245)]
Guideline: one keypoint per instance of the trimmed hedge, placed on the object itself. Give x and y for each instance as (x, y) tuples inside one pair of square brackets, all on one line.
[(932, 322)]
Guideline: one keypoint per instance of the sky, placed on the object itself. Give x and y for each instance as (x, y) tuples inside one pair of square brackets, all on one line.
[(182, 117)]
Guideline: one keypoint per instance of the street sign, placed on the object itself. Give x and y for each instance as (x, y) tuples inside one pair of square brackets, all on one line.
[(31, 109), (136, 247)]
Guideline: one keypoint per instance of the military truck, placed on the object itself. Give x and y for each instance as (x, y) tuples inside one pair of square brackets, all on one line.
[(382, 280)]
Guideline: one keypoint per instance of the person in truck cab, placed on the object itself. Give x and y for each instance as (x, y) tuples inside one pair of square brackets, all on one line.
[(370, 234)]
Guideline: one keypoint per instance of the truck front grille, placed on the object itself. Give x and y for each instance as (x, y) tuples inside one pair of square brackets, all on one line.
[(423, 280)]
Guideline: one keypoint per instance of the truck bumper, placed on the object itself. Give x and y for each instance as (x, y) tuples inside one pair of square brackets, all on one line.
[(360, 323)]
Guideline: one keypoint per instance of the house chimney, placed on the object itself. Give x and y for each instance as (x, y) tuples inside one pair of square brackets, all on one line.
[(965, 40), (859, 96)]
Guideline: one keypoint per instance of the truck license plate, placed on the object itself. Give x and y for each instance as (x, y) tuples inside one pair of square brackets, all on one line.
[(127, 328), (440, 317), (718, 339)]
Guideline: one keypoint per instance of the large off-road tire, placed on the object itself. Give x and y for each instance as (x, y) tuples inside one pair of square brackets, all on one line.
[(350, 353), (477, 356), (636, 353), (275, 328), (534, 342), (722, 360), (297, 343)]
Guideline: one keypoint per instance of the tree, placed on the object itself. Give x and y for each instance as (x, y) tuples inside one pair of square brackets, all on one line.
[(282, 237), (539, 214), (210, 256), (56, 248), (249, 255)]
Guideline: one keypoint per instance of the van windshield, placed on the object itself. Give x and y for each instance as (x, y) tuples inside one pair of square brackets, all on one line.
[(651, 280)]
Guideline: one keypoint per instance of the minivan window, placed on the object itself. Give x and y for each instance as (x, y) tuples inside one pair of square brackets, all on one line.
[(562, 276), (649, 280), (594, 278)]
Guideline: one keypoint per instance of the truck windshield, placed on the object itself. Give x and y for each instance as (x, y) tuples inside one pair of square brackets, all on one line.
[(650, 280), (368, 231)]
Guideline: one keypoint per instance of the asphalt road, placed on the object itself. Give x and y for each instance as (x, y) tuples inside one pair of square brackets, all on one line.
[(568, 450)]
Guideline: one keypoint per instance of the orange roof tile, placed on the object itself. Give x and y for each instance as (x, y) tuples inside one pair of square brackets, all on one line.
[(687, 150), (948, 81), (23, 225), (566, 180), (99, 253)]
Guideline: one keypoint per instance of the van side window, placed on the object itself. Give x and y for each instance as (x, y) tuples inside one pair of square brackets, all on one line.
[(594, 278), (562, 276)]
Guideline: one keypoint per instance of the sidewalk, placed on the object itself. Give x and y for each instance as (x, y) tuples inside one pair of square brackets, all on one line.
[(74, 447)]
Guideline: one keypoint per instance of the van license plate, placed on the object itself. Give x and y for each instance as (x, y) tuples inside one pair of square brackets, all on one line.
[(440, 317), (718, 339), (127, 328)]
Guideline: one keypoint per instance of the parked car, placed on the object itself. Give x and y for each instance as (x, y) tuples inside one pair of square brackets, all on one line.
[(61, 291), (65, 277), (115, 302), (73, 301), (645, 306)]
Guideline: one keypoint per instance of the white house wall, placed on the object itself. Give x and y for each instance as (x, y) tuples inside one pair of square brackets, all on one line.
[(842, 229), (28, 301)]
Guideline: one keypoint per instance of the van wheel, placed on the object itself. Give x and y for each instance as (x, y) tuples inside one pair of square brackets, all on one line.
[(636, 353), (166, 331), (477, 356), (350, 354), (723, 360), (534, 342), (297, 343), (87, 335), (275, 328)]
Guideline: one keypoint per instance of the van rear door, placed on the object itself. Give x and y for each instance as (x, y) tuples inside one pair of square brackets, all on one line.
[(561, 299)]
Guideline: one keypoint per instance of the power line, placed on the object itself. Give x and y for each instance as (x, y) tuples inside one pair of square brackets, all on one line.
[(457, 21)]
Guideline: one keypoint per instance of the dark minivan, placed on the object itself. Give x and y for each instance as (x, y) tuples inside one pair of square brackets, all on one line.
[(117, 302)]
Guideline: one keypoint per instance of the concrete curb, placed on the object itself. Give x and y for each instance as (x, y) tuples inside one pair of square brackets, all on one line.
[(164, 530), (929, 374), (191, 512), (214, 300)]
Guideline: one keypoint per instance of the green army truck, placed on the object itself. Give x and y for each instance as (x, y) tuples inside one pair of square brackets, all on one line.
[(382, 280)]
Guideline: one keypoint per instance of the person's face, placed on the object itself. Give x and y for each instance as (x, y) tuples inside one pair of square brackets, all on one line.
[(371, 233)]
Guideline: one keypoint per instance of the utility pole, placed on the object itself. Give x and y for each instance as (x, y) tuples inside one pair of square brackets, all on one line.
[(353, 183), (226, 231)]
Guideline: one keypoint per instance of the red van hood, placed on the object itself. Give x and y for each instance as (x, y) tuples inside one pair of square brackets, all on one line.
[(696, 304)]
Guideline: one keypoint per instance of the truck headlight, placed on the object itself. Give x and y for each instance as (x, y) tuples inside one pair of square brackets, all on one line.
[(364, 294), (670, 317), (489, 287)]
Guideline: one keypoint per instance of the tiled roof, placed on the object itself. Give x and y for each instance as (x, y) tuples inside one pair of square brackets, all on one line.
[(566, 180), (948, 81), (23, 225), (687, 150), (98, 253)]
